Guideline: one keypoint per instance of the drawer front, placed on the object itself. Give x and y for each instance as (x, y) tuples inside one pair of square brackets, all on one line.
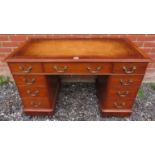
[(77, 68), (30, 80), (25, 68), (33, 92), (129, 68), (122, 93), (118, 104), (39, 103), (125, 81)]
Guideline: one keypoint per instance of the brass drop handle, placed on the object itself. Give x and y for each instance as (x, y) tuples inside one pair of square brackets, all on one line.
[(25, 69), (122, 94), (33, 94), (29, 81), (60, 69), (129, 70), (94, 71), (35, 104), (119, 105), (125, 82)]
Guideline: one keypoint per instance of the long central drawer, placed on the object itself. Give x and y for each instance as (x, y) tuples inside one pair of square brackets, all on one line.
[(77, 68)]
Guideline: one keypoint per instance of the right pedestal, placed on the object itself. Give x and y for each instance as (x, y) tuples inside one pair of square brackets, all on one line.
[(117, 93)]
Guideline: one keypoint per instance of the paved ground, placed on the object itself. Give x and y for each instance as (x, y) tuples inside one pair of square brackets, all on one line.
[(77, 101)]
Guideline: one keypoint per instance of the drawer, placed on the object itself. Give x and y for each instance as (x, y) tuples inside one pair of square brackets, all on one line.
[(118, 104), (125, 81), (38, 103), (33, 91), (122, 93), (129, 68), (77, 68), (30, 80), (25, 68)]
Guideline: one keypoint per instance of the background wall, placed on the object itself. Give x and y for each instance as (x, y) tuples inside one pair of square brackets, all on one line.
[(9, 42)]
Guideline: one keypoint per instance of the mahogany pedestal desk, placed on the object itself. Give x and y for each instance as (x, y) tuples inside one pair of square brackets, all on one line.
[(117, 64)]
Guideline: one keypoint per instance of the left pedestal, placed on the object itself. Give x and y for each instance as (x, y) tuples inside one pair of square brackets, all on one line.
[(38, 93)]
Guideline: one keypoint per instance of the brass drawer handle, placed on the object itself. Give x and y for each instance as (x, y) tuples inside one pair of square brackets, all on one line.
[(25, 69), (29, 81), (35, 104), (60, 69), (33, 94), (125, 82), (94, 71), (122, 94), (119, 105), (129, 70)]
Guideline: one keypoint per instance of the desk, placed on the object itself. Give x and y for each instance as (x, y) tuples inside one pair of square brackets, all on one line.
[(118, 65)]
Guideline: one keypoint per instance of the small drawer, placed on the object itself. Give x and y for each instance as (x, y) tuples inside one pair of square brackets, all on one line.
[(38, 103), (125, 81), (33, 91), (118, 104), (25, 68), (77, 68), (129, 68), (30, 80)]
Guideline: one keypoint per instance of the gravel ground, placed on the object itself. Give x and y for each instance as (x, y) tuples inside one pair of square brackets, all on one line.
[(76, 101)]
